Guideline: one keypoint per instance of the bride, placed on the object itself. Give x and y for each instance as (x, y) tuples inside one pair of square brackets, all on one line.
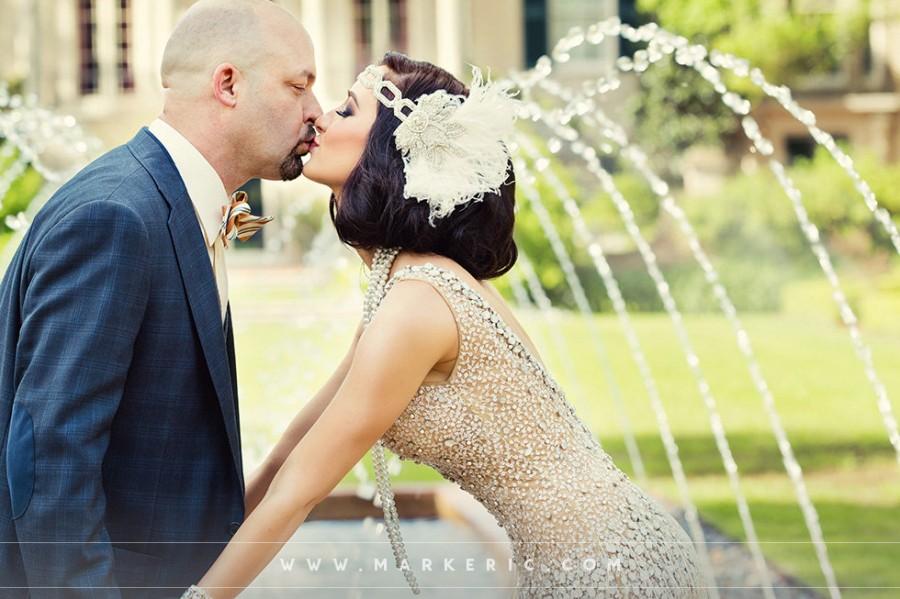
[(440, 372)]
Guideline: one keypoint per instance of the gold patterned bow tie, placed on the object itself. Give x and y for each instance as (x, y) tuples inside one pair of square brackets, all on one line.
[(237, 222)]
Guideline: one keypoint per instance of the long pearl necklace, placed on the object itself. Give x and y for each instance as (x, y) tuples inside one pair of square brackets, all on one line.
[(382, 261)]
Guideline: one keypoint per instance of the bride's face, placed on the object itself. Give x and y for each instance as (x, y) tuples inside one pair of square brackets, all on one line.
[(342, 138)]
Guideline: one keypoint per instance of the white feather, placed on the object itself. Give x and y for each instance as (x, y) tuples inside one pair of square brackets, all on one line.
[(451, 170)]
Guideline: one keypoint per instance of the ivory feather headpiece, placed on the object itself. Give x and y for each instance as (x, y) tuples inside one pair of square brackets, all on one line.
[(454, 147)]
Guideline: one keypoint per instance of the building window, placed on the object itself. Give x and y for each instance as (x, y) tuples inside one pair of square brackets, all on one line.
[(804, 146), (629, 14), (564, 16), (376, 18), (89, 74), (397, 11), (123, 45), (362, 17), (535, 13), (799, 147)]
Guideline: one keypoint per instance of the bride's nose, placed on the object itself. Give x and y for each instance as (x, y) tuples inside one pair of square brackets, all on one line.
[(321, 123)]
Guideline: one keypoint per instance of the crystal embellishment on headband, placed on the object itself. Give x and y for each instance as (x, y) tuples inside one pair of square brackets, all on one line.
[(454, 147)]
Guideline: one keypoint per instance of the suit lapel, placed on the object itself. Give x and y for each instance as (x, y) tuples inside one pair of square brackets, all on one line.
[(232, 366), (197, 276)]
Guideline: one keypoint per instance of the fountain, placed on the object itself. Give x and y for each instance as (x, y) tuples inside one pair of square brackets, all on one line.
[(553, 324), (572, 118), (54, 145), (531, 194), (561, 107)]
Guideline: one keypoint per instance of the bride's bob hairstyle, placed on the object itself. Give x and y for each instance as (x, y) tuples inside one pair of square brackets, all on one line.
[(373, 213)]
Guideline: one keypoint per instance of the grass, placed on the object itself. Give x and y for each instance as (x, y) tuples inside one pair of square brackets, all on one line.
[(858, 509), (294, 330), (826, 405)]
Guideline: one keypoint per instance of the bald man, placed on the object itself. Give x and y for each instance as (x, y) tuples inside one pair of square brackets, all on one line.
[(120, 464)]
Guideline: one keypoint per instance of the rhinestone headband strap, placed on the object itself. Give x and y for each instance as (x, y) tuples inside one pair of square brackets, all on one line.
[(373, 78), (454, 147)]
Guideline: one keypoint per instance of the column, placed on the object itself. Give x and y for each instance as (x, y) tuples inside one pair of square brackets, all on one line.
[(381, 29), (449, 25), (312, 14), (62, 24), (336, 52), (31, 24), (105, 40), (152, 22), (420, 27)]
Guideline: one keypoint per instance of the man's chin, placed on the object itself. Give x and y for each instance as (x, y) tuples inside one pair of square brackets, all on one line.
[(291, 169)]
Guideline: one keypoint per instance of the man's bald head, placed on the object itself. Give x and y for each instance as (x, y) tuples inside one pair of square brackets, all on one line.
[(238, 78), (212, 32)]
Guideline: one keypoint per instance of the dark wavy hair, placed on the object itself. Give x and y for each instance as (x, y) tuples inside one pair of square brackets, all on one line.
[(373, 213)]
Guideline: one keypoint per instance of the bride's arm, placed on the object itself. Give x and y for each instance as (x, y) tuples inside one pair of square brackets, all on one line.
[(258, 482), (412, 331)]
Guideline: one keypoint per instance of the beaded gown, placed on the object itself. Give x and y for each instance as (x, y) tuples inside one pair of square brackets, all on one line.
[(501, 428)]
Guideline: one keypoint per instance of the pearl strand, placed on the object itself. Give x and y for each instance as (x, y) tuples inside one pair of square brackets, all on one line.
[(382, 261)]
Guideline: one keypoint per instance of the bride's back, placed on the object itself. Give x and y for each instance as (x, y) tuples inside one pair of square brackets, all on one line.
[(497, 401), (502, 429)]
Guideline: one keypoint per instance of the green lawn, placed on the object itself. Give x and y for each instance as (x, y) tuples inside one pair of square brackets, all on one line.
[(859, 510), (294, 328)]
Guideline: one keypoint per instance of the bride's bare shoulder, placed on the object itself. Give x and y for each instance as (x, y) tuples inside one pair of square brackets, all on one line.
[(416, 310)]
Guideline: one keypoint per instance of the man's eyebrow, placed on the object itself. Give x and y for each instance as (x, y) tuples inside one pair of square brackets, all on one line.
[(304, 74)]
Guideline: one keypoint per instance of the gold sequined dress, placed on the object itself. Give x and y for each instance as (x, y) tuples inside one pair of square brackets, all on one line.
[(501, 428)]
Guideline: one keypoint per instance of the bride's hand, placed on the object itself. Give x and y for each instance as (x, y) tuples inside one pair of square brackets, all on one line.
[(195, 592)]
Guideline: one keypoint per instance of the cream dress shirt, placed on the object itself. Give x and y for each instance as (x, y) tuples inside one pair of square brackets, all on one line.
[(208, 194)]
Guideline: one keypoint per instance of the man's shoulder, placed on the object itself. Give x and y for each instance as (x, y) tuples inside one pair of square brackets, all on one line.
[(115, 177), (114, 185), (115, 172)]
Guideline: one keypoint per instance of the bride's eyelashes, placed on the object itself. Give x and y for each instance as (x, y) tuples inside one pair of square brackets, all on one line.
[(347, 110)]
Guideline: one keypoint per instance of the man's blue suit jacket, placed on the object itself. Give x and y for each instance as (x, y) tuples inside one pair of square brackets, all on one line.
[(120, 452)]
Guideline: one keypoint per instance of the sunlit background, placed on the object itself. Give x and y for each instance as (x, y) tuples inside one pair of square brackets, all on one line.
[(296, 293)]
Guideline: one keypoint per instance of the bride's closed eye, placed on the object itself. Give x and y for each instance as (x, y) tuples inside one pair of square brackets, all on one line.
[(347, 110)]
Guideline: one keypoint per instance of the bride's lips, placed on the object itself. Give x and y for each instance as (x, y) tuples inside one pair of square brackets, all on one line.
[(305, 146)]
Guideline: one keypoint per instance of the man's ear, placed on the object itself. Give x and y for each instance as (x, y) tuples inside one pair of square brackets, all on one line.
[(225, 79)]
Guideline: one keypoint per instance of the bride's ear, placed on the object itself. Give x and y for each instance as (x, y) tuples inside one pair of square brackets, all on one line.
[(225, 80)]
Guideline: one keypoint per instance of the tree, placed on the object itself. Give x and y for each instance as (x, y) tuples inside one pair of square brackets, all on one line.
[(676, 108)]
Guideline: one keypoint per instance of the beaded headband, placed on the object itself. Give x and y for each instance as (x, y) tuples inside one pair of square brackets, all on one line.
[(454, 147)]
